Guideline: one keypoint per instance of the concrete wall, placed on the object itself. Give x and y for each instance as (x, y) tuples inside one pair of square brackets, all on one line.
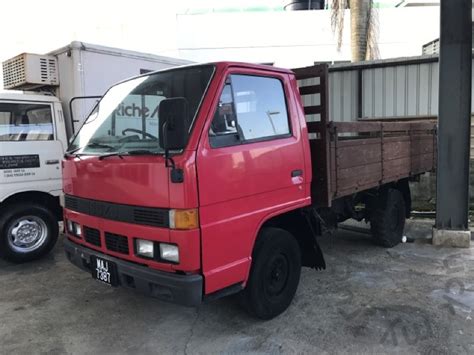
[(424, 192), (298, 38)]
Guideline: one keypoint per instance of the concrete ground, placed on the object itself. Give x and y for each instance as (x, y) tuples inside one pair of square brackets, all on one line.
[(414, 298)]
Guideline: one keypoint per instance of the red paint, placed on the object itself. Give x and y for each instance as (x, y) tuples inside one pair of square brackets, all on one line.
[(131, 180), (235, 188)]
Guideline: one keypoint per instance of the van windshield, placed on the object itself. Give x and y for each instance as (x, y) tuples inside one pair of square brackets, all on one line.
[(126, 118)]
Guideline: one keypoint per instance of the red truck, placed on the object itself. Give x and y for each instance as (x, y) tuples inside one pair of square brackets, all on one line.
[(202, 181)]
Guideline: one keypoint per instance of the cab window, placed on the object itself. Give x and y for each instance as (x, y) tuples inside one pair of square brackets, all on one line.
[(250, 109), (26, 122)]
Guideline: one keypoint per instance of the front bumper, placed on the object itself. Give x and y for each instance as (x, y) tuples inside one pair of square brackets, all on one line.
[(181, 289)]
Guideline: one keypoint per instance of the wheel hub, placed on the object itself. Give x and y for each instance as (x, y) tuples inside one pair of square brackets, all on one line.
[(27, 234), (278, 275)]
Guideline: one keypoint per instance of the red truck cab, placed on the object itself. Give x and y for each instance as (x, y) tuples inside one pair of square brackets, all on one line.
[(194, 183)]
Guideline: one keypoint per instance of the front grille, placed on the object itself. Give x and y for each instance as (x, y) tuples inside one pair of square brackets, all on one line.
[(148, 216), (70, 202), (116, 242), (92, 236)]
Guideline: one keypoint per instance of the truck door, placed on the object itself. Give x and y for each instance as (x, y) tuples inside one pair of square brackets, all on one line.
[(30, 154), (250, 166)]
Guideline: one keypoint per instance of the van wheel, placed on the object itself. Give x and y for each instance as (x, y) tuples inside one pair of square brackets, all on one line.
[(27, 232), (274, 274), (387, 219)]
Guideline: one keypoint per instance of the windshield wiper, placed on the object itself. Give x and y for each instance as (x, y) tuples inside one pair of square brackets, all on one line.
[(118, 154), (92, 145), (99, 145), (130, 152), (141, 152), (70, 153)]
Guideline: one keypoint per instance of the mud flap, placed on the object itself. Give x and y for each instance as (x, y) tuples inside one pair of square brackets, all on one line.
[(315, 224)]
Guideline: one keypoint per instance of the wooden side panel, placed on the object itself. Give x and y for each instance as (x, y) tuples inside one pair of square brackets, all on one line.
[(348, 157), (347, 160), (379, 153)]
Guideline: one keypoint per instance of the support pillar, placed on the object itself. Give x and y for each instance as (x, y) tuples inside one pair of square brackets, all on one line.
[(452, 183)]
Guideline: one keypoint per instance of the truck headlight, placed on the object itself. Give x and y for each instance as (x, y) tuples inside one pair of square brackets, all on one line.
[(62, 202), (74, 228), (145, 248), (184, 219), (70, 226), (169, 252), (77, 229)]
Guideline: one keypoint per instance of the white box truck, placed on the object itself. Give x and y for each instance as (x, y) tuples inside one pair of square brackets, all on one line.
[(59, 89)]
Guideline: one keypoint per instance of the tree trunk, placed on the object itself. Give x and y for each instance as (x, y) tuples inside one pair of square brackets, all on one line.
[(359, 28)]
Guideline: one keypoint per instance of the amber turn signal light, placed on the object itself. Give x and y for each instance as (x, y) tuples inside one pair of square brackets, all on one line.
[(184, 219)]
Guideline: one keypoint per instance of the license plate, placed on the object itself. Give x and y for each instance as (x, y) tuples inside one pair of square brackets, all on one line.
[(104, 271)]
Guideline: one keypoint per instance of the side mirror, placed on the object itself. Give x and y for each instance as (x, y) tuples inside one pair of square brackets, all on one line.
[(173, 123)]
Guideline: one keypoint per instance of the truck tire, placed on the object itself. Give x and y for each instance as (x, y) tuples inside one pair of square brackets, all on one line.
[(274, 274), (387, 219), (27, 232)]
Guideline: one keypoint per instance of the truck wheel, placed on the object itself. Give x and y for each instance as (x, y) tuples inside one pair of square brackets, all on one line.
[(27, 232), (387, 219), (274, 275)]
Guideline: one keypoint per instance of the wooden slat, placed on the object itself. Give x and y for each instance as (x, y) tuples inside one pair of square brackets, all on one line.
[(396, 149), (346, 158), (314, 127), (353, 189), (421, 163), (359, 174), (421, 145), (396, 126), (356, 179), (397, 167), (310, 72), (355, 127), (312, 110), (424, 126), (310, 89), (357, 142), (398, 119), (387, 139), (409, 126)]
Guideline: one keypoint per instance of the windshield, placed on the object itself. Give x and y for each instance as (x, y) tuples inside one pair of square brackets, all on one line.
[(126, 119)]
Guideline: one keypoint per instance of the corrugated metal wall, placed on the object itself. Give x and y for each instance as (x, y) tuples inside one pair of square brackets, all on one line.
[(389, 88), (409, 90), (343, 99), (389, 91)]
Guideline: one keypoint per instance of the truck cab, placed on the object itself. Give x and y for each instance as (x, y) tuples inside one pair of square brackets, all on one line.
[(197, 182), (32, 143)]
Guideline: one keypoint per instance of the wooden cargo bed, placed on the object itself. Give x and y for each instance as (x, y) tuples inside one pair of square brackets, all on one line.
[(349, 157)]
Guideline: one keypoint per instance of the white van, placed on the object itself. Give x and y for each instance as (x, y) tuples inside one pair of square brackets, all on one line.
[(36, 125)]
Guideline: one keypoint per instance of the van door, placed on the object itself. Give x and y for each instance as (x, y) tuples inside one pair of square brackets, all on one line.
[(30, 154)]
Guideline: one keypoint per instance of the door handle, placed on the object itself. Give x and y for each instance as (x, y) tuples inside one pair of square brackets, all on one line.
[(52, 162), (296, 173)]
